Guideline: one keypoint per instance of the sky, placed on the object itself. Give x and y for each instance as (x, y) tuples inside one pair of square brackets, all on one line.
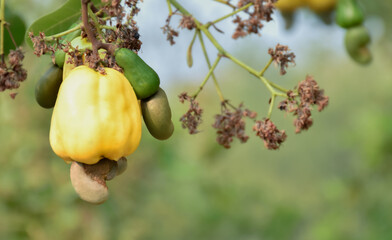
[(170, 61)]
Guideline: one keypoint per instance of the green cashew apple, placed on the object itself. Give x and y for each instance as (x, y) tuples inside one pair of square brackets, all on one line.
[(48, 86), (356, 41), (144, 80), (157, 115), (349, 14)]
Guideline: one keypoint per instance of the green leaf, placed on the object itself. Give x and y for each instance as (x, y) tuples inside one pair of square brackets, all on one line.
[(17, 28), (59, 20)]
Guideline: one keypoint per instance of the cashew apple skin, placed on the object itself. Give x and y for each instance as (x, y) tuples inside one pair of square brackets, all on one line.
[(96, 116)]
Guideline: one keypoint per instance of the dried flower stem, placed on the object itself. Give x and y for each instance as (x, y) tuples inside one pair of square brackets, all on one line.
[(272, 89), (217, 87), (208, 76), (170, 8), (228, 15), (189, 57), (61, 34), (277, 86), (226, 2), (271, 106), (266, 67), (108, 27)]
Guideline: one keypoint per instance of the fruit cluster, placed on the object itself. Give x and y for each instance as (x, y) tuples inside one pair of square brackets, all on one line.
[(96, 119), (349, 15)]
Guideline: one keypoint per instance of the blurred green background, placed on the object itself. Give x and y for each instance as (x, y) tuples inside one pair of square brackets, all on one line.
[(329, 183)]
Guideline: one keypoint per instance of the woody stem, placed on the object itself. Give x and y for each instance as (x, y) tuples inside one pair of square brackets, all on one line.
[(96, 44)]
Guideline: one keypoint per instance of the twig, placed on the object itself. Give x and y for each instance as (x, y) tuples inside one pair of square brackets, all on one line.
[(226, 3), (208, 76), (58, 35), (217, 87), (96, 44), (229, 15), (266, 67)]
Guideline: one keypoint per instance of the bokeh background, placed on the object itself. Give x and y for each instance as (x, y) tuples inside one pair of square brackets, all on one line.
[(332, 182)]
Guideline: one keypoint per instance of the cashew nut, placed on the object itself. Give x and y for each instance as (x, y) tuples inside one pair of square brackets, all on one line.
[(89, 181), (121, 165), (89, 189)]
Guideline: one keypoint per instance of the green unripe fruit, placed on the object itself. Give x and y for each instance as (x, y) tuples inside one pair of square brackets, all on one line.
[(356, 42), (48, 86), (157, 115), (59, 58), (349, 14), (59, 55), (144, 80)]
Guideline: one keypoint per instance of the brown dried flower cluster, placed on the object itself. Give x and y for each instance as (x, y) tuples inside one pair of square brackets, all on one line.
[(192, 118), (126, 34), (310, 94), (100, 63), (113, 8), (12, 75), (187, 22), (169, 31), (282, 57), (260, 11), (231, 124), (271, 136), (39, 44), (75, 56)]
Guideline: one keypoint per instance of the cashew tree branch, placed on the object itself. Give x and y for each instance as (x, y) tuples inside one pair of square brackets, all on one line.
[(96, 44)]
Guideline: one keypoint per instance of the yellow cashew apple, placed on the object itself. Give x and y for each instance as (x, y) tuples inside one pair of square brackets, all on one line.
[(321, 5), (289, 5), (95, 116)]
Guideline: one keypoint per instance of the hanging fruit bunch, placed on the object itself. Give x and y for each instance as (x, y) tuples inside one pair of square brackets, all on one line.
[(99, 89), (349, 15)]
